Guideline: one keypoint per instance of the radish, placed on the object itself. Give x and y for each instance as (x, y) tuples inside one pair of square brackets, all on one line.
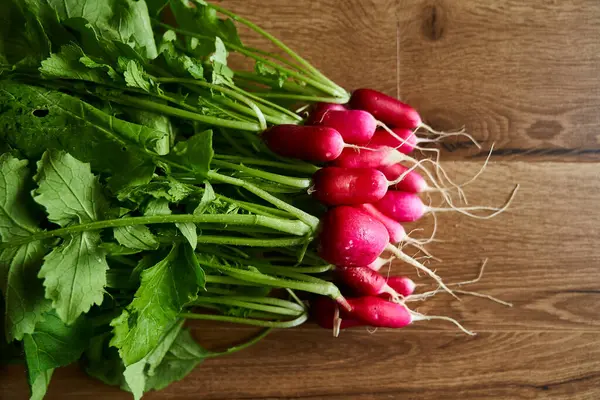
[(394, 228), (335, 186), (408, 207), (379, 312), (402, 285), (344, 186), (319, 109), (310, 143), (365, 282), (376, 157), (386, 108), (412, 181), (351, 238), (405, 142), (325, 312)]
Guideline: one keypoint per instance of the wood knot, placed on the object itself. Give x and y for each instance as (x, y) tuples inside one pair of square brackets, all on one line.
[(544, 130), (434, 22)]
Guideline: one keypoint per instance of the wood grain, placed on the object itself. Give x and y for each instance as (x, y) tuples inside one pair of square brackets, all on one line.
[(523, 74)]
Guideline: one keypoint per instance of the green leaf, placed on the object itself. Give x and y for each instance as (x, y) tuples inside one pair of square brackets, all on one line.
[(74, 272), (136, 77), (154, 121), (192, 260), (202, 19), (207, 198), (188, 229), (195, 153), (75, 275), (135, 374), (72, 63), (176, 62), (157, 207), (52, 345), (160, 188), (183, 356), (136, 237), (34, 119), (68, 190), (114, 249), (103, 362), (40, 385), (124, 21), (164, 290), (23, 291)]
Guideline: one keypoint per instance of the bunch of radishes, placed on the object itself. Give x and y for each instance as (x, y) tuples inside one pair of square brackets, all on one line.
[(370, 193)]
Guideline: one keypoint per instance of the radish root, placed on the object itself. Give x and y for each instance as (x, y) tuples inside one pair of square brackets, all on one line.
[(421, 317), (467, 210)]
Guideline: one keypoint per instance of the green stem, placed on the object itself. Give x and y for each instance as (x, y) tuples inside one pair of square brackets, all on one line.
[(234, 143), (274, 301), (247, 321), (242, 346), (246, 304), (269, 117), (243, 241), (268, 104), (240, 49), (310, 220), (299, 97), (300, 183), (287, 86), (164, 109), (308, 168), (279, 44), (259, 115), (289, 226), (227, 280), (274, 268), (323, 288)]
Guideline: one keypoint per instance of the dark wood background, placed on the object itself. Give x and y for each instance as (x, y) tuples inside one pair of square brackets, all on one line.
[(522, 74)]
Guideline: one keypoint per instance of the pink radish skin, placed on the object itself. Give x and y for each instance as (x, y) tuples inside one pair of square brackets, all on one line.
[(402, 206), (412, 182), (320, 109), (355, 126), (323, 311), (395, 230), (365, 282), (376, 158), (310, 143), (379, 312), (351, 238), (405, 142), (335, 186), (402, 285), (386, 109)]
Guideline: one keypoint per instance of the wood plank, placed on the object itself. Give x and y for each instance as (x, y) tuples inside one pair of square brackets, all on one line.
[(299, 364), (352, 41), (522, 74)]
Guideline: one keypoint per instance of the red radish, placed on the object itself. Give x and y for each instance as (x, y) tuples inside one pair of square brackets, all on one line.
[(408, 207), (319, 109), (365, 282), (412, 182), (402, 285), (323, 310), (351, 238), (395, 113), (344, 186), (395, 230), (310, 143), (379, 312), (355, 126), (380, 156), (386, 108), (405, 142)]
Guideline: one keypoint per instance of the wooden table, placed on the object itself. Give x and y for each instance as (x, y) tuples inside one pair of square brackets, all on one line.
[(524, 75)]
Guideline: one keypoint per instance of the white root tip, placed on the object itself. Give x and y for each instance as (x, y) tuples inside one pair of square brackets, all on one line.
[(442, 135), (421, 267), (467, 210), (421, 317), (337, 321)]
